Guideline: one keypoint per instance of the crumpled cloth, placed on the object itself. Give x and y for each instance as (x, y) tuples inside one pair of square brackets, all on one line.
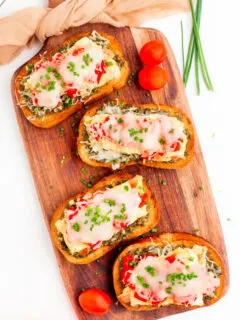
[(18, 30)]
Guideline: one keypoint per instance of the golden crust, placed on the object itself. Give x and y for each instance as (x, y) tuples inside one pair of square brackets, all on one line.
[(180, 238), (172, 111), (112, 180), (52, 119)]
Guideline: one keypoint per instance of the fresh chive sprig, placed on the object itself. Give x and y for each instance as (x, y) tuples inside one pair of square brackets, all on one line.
[(195, 50)]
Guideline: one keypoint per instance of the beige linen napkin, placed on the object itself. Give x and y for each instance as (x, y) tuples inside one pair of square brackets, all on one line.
[(17, 30)]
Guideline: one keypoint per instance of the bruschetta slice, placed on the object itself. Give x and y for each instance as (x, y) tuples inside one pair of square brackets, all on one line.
[(119, 207), (56, 83), (173, 268), (119, 134)]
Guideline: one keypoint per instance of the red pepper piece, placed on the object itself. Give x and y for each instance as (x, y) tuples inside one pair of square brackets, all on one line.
[(96, 245), (71, 92), (75, 212), (127, 259), (137, 296), (119, 224), (170, 259), (144, 200), (155, 300), (77, 51), (84, 252), (36, 101), (100, 70), (176, 146)]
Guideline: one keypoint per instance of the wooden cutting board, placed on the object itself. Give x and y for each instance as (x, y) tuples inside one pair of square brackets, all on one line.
[(184, 207)]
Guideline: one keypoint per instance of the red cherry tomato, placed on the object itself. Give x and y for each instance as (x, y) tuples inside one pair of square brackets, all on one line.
[(153, 53), (152, 78), (95, 301)]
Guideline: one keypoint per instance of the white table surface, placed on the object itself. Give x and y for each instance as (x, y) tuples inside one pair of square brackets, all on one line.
[(30, 284)]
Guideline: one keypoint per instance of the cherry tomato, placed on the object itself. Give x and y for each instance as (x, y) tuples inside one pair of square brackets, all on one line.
[(153, 53), (95, 301), (152, 78)]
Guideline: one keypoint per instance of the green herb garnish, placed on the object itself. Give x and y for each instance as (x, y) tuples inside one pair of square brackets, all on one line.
[(76, 227), (150, 270), (110, 202), (83, 170)]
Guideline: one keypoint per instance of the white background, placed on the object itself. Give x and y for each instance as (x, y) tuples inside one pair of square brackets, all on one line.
[(30, 283)]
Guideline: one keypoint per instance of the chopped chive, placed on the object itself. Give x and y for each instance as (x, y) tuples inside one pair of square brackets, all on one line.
[(164, 183), (154, 230), (201, 188), (168, 290), (76, 227), (83, 170), (51, 187), (199, 47), (84, 181)]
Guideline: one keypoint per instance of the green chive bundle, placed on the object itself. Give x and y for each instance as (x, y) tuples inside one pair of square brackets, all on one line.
[(195, 50)]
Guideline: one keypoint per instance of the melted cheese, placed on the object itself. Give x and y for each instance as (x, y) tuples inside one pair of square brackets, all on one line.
[(112, 135), (78, 68), (39, 86), (123, 195), (188, 292)]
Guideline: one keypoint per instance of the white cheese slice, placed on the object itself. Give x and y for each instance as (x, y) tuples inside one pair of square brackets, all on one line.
[(123, 195), (120, 142), (187, 261)]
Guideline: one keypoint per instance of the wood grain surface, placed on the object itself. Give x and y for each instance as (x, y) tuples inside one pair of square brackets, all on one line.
[(184, 207)]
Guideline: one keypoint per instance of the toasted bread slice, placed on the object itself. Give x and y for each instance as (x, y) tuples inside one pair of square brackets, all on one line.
[(132, 231), (84, 145), (168, 240), (53, 118)]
